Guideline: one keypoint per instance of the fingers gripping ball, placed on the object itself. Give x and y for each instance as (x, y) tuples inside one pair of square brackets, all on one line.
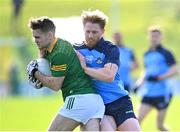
[(35, 83), (44, 68)]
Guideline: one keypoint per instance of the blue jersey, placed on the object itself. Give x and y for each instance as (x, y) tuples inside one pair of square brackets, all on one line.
[(104, 52), (157, 62), (126, 59)]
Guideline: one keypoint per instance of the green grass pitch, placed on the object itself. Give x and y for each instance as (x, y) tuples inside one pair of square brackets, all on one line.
[(32, 114)]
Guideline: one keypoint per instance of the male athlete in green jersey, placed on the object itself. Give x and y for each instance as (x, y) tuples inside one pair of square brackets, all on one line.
[(67, 75)]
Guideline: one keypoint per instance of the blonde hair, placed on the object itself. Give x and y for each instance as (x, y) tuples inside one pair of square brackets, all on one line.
[(154, 28), (95, 16)]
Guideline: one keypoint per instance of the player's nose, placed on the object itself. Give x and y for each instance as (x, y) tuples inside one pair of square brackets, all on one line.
[(90, 35)]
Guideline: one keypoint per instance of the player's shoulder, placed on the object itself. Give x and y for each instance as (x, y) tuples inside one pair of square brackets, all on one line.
[(160, 49), (64, 43), (108, 46), (147, 52), (79, 46), (164, 50), (168, 55), (63, 47)]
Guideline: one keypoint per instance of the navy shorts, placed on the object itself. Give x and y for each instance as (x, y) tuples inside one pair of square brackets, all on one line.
[(159, 103), (121, 110)]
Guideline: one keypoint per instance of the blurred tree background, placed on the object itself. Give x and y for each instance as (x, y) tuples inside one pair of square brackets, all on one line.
[(132, 18)]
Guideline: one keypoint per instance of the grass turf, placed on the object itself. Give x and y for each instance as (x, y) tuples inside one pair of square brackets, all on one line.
[(35, 114)]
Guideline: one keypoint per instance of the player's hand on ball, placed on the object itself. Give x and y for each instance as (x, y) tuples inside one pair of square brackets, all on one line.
[(32, 67), (34, 82), (32, 79)]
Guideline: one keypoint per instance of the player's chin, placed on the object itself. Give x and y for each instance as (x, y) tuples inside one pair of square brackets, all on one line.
[(92, 42), (40, 47)]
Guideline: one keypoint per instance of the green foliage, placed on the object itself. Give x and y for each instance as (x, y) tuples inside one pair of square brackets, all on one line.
[(133, 18)]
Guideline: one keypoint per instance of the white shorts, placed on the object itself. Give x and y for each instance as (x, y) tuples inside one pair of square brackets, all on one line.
[(83, 107)]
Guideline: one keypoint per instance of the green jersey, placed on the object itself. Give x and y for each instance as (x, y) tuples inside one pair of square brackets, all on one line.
[(65, 63)]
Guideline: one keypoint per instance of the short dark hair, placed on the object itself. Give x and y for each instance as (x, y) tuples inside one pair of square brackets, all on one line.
[(42, 23), (95, 16)]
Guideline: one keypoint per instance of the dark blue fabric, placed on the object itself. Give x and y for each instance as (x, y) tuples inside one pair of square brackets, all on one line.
[(120, 110), (110, 51), (159, 103)]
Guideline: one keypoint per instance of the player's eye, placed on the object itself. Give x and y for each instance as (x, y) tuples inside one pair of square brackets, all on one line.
[(36, 37), (87, 31), (94, 32)]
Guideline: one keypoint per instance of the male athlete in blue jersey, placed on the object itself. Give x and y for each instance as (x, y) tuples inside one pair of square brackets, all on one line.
[(160, 65), (127, 60), (100, 60)]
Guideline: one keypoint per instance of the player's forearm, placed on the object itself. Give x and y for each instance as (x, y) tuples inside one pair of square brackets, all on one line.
[(102, 74), (172, 71), (49, 81)]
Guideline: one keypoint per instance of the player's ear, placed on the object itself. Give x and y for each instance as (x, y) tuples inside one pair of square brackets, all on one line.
[(102, 31), (50, 34)]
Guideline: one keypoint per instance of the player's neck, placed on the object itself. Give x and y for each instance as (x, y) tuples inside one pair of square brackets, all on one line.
[(52, 43), (120, 44), (154, 46), (90, 45)]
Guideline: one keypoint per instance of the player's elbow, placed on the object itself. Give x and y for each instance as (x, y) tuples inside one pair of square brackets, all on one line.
[(56, 88)]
